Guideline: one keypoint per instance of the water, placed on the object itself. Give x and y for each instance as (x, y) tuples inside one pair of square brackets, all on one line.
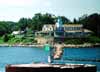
[(83, 54), (25, 55), (17, 55)]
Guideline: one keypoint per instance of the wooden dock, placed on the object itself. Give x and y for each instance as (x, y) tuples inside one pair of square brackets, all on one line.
[(58, 51), (51, 68)]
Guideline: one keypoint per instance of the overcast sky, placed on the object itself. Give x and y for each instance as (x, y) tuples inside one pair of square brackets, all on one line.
[(13, 10)]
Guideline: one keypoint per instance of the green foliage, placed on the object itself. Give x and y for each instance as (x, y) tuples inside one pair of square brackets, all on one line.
[(40, 19), (75, 21), (90, 39), (93, 39), (20, 40), (1, 40), (64, 20), (5, 38), (6, 27), (91, 22), (14, 40), (73, 41), (22, 23)]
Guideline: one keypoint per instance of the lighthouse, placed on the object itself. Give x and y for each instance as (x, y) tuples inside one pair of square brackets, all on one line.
[(59, 31), (59, 24)]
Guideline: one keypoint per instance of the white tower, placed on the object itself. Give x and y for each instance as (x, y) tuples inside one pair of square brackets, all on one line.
[(59, 23)]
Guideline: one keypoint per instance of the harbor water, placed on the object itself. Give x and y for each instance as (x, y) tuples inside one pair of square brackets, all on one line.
[(26, 55)]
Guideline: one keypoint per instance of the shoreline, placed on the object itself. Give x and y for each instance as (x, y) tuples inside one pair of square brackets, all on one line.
[(88, 45)]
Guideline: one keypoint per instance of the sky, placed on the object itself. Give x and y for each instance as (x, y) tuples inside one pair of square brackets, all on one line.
[(13, 10)]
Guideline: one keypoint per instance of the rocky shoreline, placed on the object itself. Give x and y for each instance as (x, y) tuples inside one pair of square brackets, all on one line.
[(81, 45), (42, 45), (21, 45)]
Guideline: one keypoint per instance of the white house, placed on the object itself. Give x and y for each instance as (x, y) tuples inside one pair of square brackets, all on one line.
[(62, 31), (17, 32), (47, 27)]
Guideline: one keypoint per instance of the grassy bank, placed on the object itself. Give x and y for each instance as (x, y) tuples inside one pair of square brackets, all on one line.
[(90, 39), (19, 39), (29, 39)]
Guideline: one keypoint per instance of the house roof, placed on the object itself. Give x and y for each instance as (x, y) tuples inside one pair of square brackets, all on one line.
[(64, 25), (73, 25), (49, 25)]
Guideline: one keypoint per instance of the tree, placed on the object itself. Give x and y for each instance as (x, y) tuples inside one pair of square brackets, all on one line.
[(64, 20), (22, 23), (37, 22), (48, 19), (83, 19), (40, 19), (91, 22), (75, 21), (94, 23), (5, 27), (29, 23), (5, 38)]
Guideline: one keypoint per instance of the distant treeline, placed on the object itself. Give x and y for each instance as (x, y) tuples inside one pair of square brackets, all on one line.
[(91, 22)]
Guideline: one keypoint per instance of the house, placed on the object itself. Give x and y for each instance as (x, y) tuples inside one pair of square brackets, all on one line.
[(17, 32), (61, 31), (73, 30), (48, 27)]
